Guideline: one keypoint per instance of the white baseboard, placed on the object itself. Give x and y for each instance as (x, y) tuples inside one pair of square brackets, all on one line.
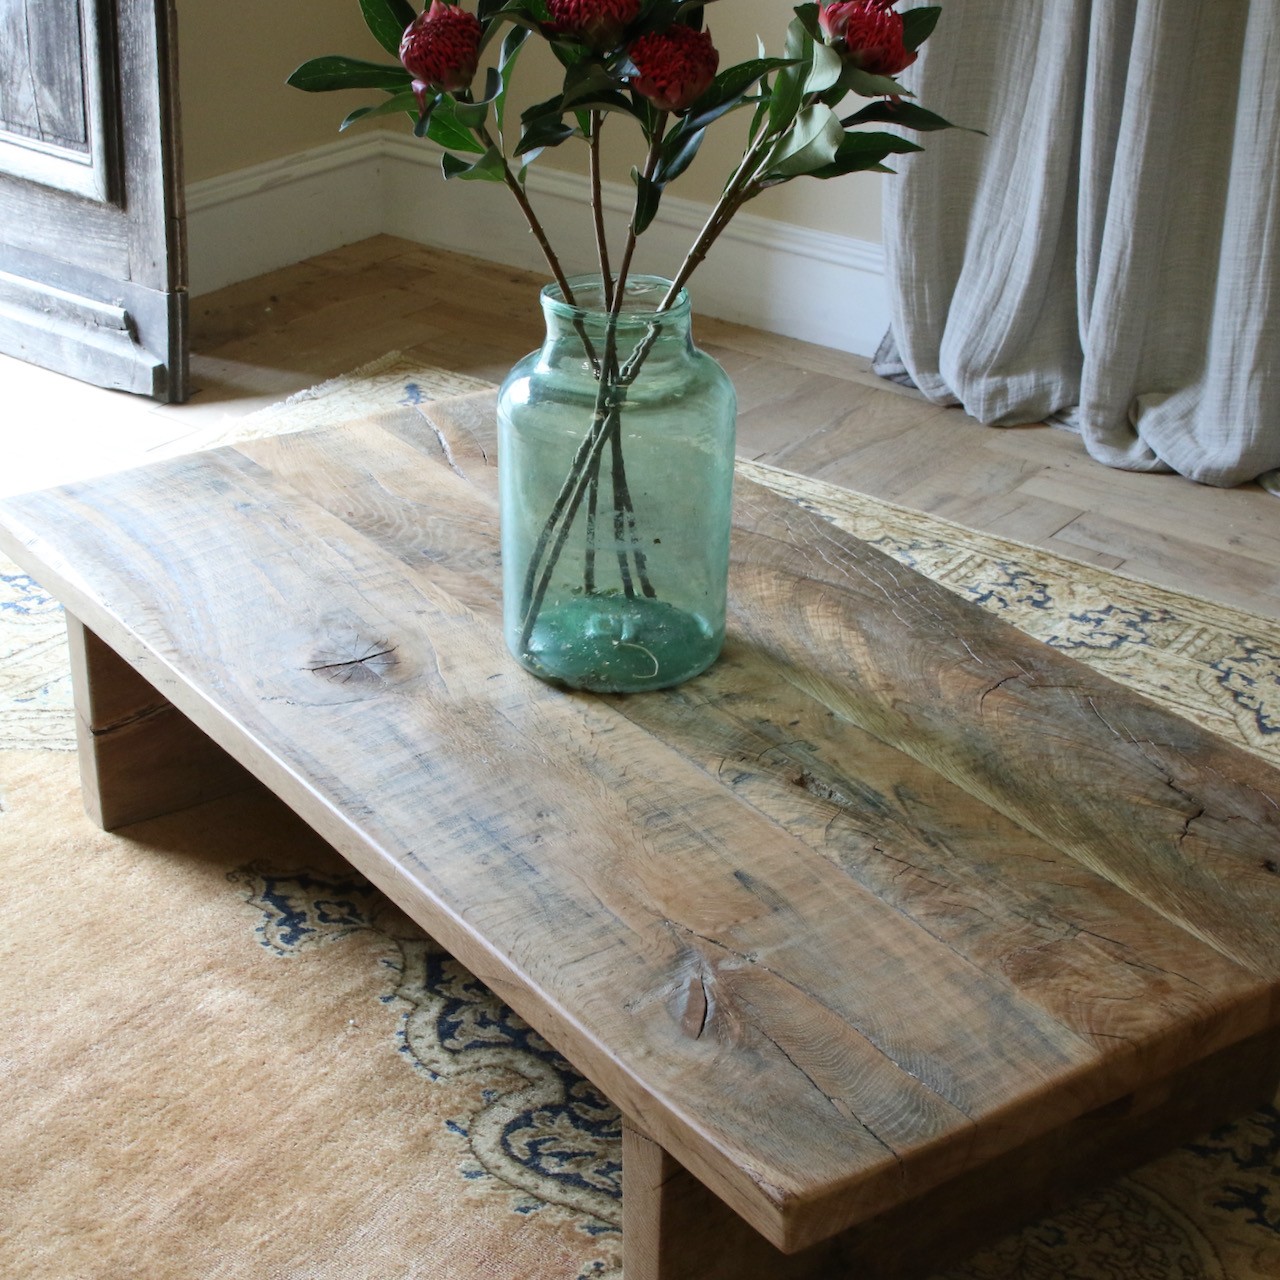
[(784, 278)]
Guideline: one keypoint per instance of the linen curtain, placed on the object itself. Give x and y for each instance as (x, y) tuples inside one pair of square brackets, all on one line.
[(1109, 257)]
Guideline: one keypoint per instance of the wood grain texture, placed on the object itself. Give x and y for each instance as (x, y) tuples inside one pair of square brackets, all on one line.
[(139, 756), (1179, 819), (826, 973), (675, 1229)]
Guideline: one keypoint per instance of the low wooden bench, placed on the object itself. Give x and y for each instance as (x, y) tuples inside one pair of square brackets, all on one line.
[(884, 934)]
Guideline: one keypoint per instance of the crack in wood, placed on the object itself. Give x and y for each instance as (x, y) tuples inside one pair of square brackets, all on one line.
[(1186, 826), (998, 685), (445, 447), (127, 722), (369, 667)]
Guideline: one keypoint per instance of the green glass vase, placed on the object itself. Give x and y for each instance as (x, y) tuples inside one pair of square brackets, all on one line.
[(615, 464)]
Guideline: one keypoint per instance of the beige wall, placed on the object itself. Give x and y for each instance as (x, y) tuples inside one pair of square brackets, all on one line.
[(237, 110), (233, 59)]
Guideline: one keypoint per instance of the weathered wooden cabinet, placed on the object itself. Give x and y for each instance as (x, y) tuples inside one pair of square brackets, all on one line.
[(92, 254)]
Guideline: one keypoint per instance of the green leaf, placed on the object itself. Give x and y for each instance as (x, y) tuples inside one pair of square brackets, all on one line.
[(512, 43), (810, 143), (918, 25), (523, 12), (620, 102), (387, 20), (492, 85), (471, 115), (545, 131), (864, 151), (514, 15), (658, 15), (727, 90), (646, 113), (687, 7), (739, 78), (677, 155), (334, 72), (399, 102), (788, 89), (866, 85), (489, 168), (890, 143), (587, 82), (648, 196), (570, 55), (446, 129), (808, 15), (551, 107), (906, 114), (828, 67), (524, 168)]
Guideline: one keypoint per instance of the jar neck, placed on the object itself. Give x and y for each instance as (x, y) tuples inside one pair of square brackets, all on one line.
[(638, 320)]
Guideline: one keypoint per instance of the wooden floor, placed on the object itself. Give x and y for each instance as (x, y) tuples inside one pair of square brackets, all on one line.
[(803, 407)]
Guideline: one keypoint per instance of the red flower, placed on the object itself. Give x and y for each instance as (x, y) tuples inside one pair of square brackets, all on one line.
[(673, 67), (599, 24), (868, 33), (440, 49)]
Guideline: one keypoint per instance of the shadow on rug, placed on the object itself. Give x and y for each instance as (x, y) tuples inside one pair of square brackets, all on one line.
[(211, 1020)]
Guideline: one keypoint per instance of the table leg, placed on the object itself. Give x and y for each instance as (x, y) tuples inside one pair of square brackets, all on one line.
[(140, 757), (673, 1228)]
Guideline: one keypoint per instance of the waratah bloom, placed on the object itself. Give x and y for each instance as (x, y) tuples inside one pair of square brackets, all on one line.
[(674, 67), (867, 33), (441, 47), (597, 23)]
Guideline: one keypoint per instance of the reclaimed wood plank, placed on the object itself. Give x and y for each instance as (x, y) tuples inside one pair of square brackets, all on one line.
[(632, 938), (666, 917), (139, 756), (892, 823), (1136, 775), (1179, 819), (675, 1229)]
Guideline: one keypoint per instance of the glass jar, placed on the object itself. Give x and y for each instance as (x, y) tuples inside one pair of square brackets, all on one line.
[(615, 465)]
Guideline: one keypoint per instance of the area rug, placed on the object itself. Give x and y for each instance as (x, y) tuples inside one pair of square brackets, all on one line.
[(226, 1055)]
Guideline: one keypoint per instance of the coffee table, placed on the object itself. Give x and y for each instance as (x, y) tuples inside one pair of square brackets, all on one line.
[(884, 934)]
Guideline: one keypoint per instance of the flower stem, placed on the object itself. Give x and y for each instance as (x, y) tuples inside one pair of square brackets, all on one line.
[(531, 218), (584, 469), (597, 209), (606, 426), (582, 481), (736, 193), (650, 164)]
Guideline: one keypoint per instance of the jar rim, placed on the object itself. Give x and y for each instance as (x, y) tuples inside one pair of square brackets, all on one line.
[(637, 287)]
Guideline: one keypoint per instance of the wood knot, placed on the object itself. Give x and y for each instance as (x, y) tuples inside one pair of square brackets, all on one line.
[(359, 660)]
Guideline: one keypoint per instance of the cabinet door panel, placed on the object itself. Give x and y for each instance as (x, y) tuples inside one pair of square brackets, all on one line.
[(92, 251)]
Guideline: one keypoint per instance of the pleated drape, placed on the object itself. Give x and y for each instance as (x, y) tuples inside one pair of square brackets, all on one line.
[(1109, 256)]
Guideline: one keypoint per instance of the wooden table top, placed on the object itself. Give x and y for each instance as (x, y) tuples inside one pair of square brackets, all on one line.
[(889, 891)]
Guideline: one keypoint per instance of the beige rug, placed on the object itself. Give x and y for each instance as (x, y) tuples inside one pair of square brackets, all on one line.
[(226, 1055)]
